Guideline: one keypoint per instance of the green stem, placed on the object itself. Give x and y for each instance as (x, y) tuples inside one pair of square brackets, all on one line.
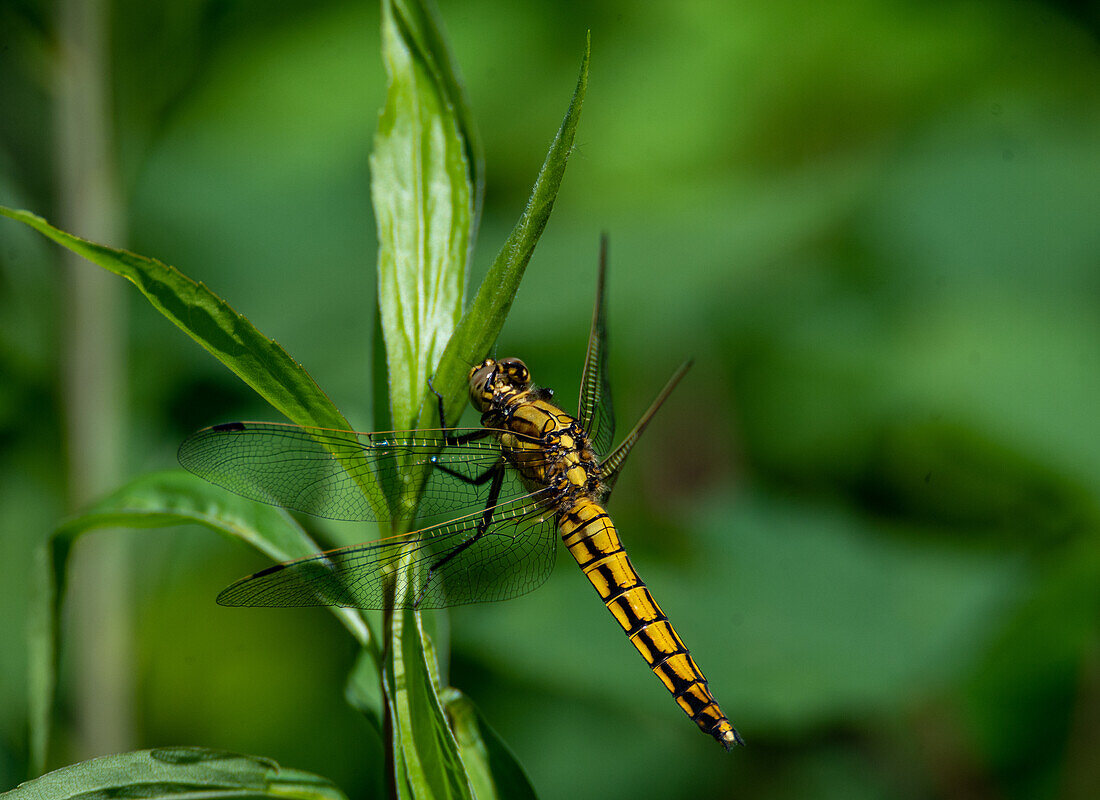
[(93, 378)]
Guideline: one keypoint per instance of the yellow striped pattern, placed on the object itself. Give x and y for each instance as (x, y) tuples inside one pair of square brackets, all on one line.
[(591, 537)]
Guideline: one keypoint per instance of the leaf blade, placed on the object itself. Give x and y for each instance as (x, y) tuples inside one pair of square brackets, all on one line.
[(152, 501), (423, 24), (211, 322), (259, 361), (423, 202), (494, 770), (176, 772), (422, 736)]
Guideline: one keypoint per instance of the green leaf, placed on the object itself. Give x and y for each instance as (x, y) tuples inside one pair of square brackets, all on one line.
[(423, 204), (182, 772), (210, 321), (152, 501), (379, 377), (493, 769), (423, 742), (482, 322), (421, 24), (229, 336)]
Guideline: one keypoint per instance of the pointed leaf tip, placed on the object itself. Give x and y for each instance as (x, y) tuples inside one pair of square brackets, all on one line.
[(485, 317)]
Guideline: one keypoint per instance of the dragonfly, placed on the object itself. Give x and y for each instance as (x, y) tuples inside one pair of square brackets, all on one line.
[(529, 475)]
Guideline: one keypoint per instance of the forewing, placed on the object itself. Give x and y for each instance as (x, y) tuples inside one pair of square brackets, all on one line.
[(594, 408), (442, 566), (343, 474)]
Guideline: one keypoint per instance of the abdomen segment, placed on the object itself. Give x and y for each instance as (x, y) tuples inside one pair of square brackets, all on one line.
[(591, 537)]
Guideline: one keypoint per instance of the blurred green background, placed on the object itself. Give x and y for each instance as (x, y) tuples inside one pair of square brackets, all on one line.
[(871, 508)]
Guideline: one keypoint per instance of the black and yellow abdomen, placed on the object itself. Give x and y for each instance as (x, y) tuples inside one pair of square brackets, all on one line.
[(551, 450), (590, 535)]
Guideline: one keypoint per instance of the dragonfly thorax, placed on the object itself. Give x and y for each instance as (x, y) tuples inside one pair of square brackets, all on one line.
[(548, 446)]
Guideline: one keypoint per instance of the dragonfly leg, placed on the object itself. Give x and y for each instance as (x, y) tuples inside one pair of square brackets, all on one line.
[(464, 438), (478, 481), (495, 472), (439, 405)]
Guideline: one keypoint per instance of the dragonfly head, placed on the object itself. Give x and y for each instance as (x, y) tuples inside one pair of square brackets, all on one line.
[(491, 378)]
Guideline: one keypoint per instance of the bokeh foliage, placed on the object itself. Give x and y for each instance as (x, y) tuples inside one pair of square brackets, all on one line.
[(871, 507)]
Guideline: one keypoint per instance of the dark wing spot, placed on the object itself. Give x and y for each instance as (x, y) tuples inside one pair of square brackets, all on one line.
[(229, 426), (268, 571)]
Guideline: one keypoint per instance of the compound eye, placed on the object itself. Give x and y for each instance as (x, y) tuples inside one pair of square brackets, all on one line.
[(481, 380), (516, 371)]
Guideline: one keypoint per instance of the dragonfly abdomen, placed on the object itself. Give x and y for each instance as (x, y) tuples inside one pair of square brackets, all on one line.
[(590, 535)]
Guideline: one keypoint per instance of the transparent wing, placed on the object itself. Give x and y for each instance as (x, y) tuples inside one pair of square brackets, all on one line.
[(442, 566), (343, 474), (594, 408)]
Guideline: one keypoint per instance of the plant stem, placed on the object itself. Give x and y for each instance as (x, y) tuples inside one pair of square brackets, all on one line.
[(93, 378)]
